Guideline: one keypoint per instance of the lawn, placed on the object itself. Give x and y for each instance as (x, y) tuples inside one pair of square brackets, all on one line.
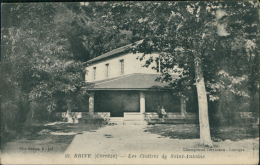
[(191, 131), (56, 137), (49, 138)]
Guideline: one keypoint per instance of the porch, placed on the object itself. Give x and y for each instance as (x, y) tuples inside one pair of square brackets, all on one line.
[(132, 118), (138, 105), (134, 98)]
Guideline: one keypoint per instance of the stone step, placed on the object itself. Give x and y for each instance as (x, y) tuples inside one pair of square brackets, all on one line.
[(116, 118), (136, 122), (138, 119), (116, 122), (128, 122), (133, 116)]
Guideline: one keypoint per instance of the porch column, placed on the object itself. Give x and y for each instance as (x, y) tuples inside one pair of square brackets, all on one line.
[(91, 103), (183, 107), (142, 102)]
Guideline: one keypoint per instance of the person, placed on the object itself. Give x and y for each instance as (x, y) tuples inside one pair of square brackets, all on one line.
[(159, 111), (163, 113)]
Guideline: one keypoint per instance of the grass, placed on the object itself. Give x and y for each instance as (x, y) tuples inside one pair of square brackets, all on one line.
[(191, 131), (56, 137), (234, 133), (59, 136)]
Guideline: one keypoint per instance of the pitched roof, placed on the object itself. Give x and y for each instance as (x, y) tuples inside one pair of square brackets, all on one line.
[(135, 81), (114, 52)]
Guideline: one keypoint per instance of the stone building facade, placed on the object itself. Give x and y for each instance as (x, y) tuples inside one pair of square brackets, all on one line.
[(124, 89)]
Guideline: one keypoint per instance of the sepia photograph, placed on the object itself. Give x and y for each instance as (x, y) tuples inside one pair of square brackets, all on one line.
[(130, 82)]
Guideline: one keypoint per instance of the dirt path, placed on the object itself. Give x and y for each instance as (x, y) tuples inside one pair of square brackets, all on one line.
[(127, 141), (119, 139), (130, 144)]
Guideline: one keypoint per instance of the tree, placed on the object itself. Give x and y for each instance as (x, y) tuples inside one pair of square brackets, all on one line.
[(44, 47), (198, 33), (39, 65)]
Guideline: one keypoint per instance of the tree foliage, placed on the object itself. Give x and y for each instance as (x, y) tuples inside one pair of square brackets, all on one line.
[(223, 33), (212, 42), (44, 48), (38, 63)]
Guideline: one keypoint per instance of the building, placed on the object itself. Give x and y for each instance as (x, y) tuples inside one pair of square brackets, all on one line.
[(124, 89)]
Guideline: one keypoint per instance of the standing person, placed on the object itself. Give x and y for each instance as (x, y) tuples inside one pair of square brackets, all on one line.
[(159, 111)]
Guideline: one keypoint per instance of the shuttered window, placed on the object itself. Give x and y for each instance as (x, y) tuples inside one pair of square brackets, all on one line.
[(122, 66), (94, 73), (107, 69)]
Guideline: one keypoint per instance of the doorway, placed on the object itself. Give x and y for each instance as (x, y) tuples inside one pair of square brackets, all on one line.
[(117, 102)]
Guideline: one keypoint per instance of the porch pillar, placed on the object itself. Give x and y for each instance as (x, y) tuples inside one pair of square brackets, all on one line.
[(91, 103), (142, 102), (183, 107)]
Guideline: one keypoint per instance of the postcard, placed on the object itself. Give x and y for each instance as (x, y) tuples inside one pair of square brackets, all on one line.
[(130, 83)]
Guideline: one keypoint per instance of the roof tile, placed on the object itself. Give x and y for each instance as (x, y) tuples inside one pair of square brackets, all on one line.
[(133, 81)]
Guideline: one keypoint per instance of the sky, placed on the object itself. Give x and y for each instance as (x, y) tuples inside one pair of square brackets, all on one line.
[(221, 27)]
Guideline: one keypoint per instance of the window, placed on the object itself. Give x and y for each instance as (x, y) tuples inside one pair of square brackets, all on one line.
[(94, 73), (107, 66), (158, 68), (122, 66)]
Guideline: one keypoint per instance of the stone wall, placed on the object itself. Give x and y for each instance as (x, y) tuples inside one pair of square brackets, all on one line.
[(85, 114), (171, 115)]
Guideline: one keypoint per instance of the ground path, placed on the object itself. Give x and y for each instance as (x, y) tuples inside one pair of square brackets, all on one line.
[(120, 139), (114, 144), (125, 141)]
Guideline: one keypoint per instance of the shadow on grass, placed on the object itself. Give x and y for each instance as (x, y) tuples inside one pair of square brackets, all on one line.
[(191, 131), (234, 133), (176, 131), (56, 137)]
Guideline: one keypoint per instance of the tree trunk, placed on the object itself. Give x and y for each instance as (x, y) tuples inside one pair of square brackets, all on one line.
[(205, 138), (221, 105), (252, 85)]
